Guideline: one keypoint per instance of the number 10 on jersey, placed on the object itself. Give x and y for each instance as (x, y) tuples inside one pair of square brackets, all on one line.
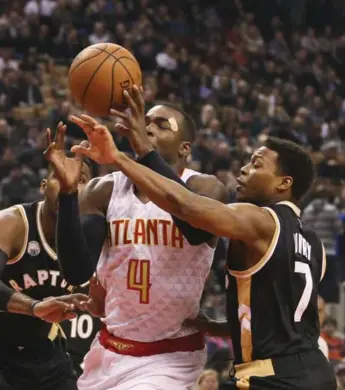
[(138, 279)]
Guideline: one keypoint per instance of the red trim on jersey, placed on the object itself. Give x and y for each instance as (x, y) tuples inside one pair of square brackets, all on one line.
[(194, 342)]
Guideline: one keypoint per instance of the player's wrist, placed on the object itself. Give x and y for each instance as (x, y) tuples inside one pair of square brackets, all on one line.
[(143, 151), (68, 190), (33, 308)]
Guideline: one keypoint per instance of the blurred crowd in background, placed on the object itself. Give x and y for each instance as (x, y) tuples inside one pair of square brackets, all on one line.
[(244, 69)]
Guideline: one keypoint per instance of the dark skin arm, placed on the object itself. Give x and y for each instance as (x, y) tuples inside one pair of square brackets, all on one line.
[(81, 226), (253, 225), (12, 239), (243, 222)]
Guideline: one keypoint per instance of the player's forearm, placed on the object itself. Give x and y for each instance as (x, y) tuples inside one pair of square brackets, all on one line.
[(79, 240), (17, 303), (193, 235)]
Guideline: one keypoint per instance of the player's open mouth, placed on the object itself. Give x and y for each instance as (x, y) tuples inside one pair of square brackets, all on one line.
[(240, 184)]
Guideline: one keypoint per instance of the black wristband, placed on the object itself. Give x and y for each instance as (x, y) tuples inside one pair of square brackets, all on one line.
[(32, 308)]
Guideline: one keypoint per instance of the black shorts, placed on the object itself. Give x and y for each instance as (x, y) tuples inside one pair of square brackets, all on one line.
[(45, 366), (304, 371)]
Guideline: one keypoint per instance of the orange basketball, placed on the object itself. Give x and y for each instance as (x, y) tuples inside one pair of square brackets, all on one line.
[(98, 76)]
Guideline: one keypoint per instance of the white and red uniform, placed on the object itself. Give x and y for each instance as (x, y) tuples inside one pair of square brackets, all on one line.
[(154, 280)]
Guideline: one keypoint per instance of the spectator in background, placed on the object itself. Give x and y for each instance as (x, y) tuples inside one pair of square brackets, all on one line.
[(323, 218), (334, 339), (322, 315), (208, 380), (15, 188)]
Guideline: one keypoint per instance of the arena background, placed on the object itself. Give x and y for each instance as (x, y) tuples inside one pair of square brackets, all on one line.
[(243, 68)]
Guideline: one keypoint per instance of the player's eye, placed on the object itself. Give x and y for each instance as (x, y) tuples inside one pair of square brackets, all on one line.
[(163, 124)]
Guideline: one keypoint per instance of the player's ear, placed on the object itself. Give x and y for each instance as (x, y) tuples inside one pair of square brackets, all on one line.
[(285, 184), (185, 149), (43, 186)]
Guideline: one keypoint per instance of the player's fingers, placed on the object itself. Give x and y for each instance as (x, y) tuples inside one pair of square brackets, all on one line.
[(60, 136), (121, 129), (131, 103), (101, 129), (68, 316), (87, 152), (88, 119), (119, 114), (48, 137), (139, 99), (86, 127), (48, 152)]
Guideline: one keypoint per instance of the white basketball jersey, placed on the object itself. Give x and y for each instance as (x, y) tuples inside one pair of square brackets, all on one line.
[(154, 279)]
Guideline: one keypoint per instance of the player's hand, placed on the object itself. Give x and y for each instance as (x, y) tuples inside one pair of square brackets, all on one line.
[(95, 305), (101, 146), (206, 325), (54, 310), (67, 170), (74, 299), (134, 126)]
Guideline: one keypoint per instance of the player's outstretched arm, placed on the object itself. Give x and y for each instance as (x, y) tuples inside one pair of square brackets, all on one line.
[(12, 240), (79, 239), (81, 232), (244, 222)]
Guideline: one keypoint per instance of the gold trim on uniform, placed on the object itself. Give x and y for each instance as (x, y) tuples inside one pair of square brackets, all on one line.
[(259, 368), (245, 317), (15, 259), (266, 257), (55, 331), (44, 242), (324, 262), (119, 345), (292, 206)]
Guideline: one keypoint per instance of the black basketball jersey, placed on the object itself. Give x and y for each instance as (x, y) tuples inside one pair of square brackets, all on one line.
[(272, 307), (34, 272), (80, 332)]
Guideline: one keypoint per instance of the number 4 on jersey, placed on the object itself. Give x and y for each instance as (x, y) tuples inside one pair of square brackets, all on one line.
[(138, 278)]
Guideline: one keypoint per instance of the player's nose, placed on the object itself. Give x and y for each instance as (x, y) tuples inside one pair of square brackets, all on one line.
[(149, 131)]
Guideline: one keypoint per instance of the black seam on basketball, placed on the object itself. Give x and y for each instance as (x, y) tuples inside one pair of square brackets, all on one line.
[(128, 58), (112, 86), (87, 59), (95, 72)]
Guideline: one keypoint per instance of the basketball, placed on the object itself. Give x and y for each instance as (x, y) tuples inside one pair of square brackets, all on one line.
[(98, 76)]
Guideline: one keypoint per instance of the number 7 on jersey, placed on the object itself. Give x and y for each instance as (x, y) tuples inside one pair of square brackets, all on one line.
[(138, 279)]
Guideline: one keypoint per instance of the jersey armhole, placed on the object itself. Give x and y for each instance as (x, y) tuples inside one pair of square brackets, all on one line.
[(267, 256), (22, 212), (324, 262)]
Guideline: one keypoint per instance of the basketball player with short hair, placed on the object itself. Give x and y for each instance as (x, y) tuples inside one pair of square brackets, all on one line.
[(274, 264), (32, 353), (152, 267)]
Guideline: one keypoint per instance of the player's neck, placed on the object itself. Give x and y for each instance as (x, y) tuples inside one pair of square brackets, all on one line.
[(48, 221)]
